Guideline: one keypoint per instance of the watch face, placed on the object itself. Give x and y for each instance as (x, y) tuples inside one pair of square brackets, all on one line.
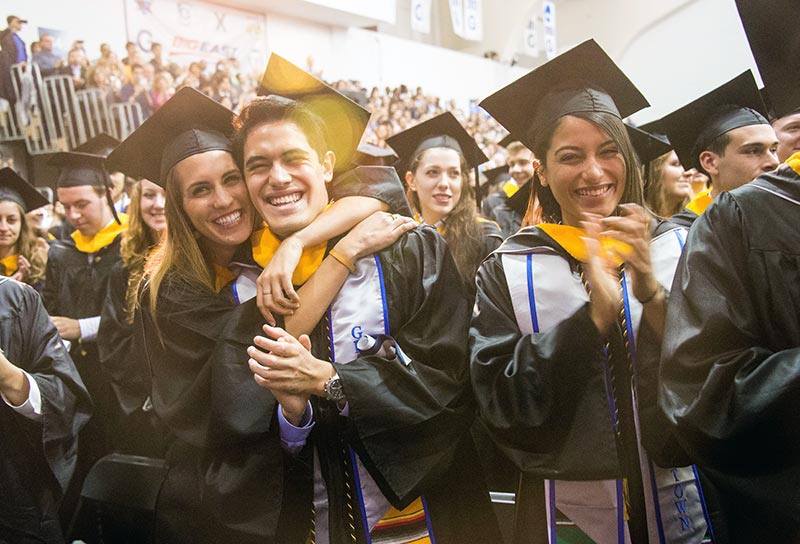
[(335, 392)]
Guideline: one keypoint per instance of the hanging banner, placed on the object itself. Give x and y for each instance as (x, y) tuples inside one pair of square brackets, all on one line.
[(457, 16), (473, 20), (530, 45), (421, 16), (549, 24), (192, 30)]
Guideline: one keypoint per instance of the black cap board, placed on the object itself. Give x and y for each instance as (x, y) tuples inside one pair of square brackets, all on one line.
[(494, 177), (507, 140), (444, 130), (694, 126), (102, 144), (345, 121), (14, 188), (79, 169), (372, 155), (82, 169), (771, 29), (648, 146), (583, 79), (189, 123)]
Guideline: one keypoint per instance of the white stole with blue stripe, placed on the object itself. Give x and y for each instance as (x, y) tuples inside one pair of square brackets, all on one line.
[(545, 292), (358, 309)]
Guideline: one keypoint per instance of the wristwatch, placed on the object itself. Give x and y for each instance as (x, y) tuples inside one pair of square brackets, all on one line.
[(334, 392)]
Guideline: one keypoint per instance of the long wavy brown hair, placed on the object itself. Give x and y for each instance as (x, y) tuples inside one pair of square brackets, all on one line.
[(463, 232), (137, 243), (30, 246)]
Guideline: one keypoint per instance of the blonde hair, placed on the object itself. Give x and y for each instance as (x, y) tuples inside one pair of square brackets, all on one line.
[(30, 246), (654, 188), (137, 242)]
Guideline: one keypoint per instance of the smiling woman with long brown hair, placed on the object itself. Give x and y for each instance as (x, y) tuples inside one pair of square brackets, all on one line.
[(436, 157), (569, 312)]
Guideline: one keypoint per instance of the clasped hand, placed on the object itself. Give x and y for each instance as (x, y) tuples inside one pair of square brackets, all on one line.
[(284, 365), (632, 227)]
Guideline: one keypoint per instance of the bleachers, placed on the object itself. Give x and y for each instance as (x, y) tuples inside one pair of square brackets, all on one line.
[(50, 115)]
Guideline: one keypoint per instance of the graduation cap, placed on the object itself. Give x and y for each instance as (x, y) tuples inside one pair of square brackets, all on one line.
[(654, 128), (78, 169), (584, 79), (14, 188), (81, 169), (444, 130), (771, 29), (187, 124), (102, 144), (732, 105), (372, 155), (648, 146), (345, 121), (494, 176), (507, 140)]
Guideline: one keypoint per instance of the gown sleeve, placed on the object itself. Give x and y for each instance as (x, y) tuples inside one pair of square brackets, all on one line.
[(407, 417), (52, 280), (387, 189), (196, 353), (115, 344), (66, 405), (492, 237), (733, 399), (538, 394)]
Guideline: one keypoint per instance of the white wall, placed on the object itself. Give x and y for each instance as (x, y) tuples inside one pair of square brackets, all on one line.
[(674, 50), (689, 52)]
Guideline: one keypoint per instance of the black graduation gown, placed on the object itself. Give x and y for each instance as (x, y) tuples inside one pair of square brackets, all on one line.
[(75, 287), (139, 431), (409, 424), (496, 208), (684, 218), (492, 237), (532, 391), (226, 466), (37, 459), (730, 372)]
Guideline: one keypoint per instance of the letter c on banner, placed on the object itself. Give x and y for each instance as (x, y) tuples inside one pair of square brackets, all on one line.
[(144, 40)]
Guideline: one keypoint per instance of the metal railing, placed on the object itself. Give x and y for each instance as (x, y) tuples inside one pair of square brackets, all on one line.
[(50, 115), (95, 112), (125, 118)]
